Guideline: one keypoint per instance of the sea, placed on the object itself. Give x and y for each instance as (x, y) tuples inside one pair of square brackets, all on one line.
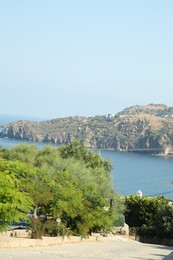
[(132, 172)]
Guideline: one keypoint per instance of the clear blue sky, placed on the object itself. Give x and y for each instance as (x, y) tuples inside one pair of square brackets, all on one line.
[(63, 58)]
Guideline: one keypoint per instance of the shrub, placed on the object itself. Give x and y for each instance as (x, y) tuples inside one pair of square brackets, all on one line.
[(36, 228), (53, 229), (152, 217)]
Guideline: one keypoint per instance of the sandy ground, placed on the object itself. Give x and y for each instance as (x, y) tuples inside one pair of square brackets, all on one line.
[(110, 248)]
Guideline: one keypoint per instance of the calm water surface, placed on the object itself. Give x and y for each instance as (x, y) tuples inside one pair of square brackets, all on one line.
[(132, 172)]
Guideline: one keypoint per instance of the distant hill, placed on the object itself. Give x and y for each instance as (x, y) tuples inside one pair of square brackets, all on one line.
[(139, 128), (151, 109)]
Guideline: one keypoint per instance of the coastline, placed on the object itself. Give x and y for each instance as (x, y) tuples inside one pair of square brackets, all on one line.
[(138, 151)]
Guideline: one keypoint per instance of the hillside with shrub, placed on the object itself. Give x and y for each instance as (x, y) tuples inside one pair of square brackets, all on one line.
[(138, 128)]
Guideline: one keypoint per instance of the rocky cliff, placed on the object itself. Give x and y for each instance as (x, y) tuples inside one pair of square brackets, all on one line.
[(138, 128)]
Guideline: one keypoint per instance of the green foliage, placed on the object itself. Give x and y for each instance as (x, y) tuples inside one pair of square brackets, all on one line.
[(15, 202), (138, 210), (69, 182), (152, 217), (53, 229), (80, 152), (23, 152), (37, 228)]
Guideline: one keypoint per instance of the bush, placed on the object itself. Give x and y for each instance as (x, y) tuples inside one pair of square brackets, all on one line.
[(147, 232), (152, 217), (36, 228), (53, 229), (132, 231)]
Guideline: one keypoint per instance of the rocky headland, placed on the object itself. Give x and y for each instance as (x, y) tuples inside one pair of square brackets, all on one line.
[(139, 128)]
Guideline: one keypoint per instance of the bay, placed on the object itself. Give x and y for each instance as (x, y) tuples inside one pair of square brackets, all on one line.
[(153, 175)]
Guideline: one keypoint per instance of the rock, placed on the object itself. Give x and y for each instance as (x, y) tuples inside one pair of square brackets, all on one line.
[(138, 128)]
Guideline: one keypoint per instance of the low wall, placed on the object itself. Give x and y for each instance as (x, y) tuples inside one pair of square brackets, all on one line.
[(14, 242), (16, 233)]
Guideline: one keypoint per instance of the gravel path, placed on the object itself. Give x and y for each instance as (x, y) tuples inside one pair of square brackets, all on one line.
[(109, 249)]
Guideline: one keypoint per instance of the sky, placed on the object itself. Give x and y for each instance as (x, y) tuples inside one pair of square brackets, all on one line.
[(61, 58)]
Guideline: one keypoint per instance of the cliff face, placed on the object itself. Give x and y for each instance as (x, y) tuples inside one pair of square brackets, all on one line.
[(143, 128)]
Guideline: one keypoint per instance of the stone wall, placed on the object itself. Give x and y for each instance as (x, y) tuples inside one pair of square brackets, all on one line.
[(7, 241)]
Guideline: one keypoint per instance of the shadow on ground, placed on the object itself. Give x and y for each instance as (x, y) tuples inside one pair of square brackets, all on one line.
[(161, 256), (168, 257)]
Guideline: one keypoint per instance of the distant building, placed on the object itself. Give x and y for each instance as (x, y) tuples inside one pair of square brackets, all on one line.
[(110, 116), (139, 193)]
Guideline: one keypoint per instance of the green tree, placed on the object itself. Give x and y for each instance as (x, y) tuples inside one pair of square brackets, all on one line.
[(15, 202), (81, 187), (153, 217), (70, 183), (32, 178), (80, 152), (91, 174), (23, 152)]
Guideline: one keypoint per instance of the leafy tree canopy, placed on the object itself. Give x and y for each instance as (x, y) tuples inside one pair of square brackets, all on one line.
[(67, 182), (15, 203), (153, 217)]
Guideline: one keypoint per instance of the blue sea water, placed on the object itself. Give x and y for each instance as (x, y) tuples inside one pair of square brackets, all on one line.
[(153, 175), (131, 172)]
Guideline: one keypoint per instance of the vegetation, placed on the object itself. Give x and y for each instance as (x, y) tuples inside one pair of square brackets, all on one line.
[(138, 127), (15, 202), (150, 217), (68, 189)]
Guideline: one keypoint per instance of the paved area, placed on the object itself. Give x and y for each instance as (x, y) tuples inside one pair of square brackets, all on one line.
[(109, 249)]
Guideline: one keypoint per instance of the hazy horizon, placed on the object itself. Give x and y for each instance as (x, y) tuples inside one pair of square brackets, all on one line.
[(40, 118), (86, 58)]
